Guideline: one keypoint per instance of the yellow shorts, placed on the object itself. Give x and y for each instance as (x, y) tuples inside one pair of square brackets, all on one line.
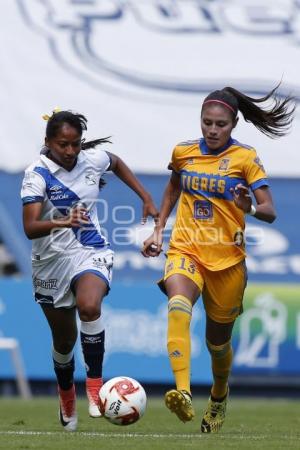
[(222, 290)]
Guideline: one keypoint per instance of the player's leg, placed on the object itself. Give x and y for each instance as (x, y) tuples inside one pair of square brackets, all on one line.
[(182, 293), (222, 296), (218, 340), (62, 322), (90, 291)]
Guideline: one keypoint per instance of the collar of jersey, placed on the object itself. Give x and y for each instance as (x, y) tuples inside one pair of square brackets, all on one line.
[(53, 167), (206, 151)]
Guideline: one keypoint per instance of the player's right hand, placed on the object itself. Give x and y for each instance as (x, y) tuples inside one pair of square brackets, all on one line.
[(153, 245), (78, 217)]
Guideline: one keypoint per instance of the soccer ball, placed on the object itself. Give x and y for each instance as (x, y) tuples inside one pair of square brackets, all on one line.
[(122, 400)]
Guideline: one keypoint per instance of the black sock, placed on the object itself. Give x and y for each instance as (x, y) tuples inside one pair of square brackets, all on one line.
[(219, 400), (64, 373), (93, 352)]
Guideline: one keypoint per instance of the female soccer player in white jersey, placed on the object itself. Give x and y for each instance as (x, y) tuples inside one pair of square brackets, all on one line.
[(71, 259), (212, 177)]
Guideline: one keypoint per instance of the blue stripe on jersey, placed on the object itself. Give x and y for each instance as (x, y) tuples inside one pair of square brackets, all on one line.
[(32, 199), (259, 183), (235, 142), (63, 198), (209, 185)]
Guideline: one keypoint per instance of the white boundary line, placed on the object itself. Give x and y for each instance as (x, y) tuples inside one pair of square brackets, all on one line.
[(236, 437), (96, 434)]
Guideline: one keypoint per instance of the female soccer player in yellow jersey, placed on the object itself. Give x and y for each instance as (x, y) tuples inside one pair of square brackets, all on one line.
[(212, 179)]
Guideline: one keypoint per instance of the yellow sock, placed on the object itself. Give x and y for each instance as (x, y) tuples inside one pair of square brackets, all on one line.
[(179, 341), (221, 358)]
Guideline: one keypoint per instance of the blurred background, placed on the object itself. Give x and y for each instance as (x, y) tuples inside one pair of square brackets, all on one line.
[(139, 71)]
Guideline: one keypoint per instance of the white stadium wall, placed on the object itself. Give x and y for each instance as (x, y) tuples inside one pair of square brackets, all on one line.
[(139, 71)]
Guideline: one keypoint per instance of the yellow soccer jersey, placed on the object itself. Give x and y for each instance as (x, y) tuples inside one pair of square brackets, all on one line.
[(209, 226)]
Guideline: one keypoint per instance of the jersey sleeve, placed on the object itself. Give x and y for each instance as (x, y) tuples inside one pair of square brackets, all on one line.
[(255, 173), (100, 159), (173, 164), (33, 188)]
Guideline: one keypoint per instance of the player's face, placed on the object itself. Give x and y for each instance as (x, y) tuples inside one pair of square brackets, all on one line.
[(216, 124), (65, 146)]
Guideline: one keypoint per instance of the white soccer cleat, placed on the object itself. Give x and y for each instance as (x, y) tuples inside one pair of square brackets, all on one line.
[(67, 408), (93, 386)]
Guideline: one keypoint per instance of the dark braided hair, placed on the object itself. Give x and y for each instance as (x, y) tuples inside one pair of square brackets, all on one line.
[(77, 121), (274, 121)]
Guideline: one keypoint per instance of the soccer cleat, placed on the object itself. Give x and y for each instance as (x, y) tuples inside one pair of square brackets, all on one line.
[(67, 408), (180, 403), (93, 386), (214, 416)]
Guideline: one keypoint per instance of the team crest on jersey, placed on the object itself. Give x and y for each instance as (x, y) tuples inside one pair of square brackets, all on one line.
[(79, 37), (224, 164), (90, 179)]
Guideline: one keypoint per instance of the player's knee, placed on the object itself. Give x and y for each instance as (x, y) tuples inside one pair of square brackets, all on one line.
[(64, 347), (179, 311), (88, 312), (219, 351)]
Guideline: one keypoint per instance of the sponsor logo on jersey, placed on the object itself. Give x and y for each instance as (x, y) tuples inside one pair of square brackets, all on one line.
[(239, 238), (259, 163), (59, 197), (45, 284), (55, 188)]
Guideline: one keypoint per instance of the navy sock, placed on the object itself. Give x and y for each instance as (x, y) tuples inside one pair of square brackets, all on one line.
[(93, 352), (64, 373)]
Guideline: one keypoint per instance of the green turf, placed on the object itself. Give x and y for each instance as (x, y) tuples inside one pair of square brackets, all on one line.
[(250, 424)]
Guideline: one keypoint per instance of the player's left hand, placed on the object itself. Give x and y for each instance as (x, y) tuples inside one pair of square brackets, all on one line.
[(242, 197), (149, 209)]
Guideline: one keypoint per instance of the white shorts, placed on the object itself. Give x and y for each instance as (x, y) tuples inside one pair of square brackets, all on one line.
[(53, 279)]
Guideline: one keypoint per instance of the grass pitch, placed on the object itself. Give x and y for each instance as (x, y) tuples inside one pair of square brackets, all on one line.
[(250, 424)]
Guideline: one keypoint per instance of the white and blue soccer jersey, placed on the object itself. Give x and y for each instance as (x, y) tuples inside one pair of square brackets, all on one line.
[(59, 190)]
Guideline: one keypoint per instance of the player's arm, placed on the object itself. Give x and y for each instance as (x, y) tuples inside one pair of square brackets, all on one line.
[(153, 245), (35, 228), (122, 171), (256, 177), (264, 209), (264, 205)]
